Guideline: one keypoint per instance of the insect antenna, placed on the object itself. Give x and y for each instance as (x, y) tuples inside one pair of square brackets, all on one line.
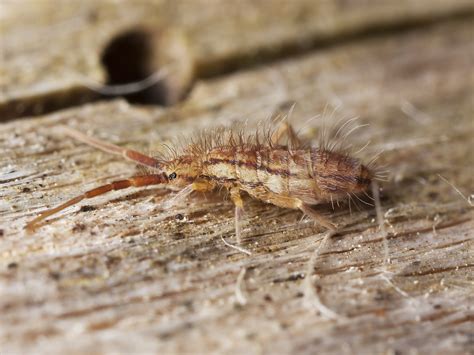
[(136, 181), (131, 155)]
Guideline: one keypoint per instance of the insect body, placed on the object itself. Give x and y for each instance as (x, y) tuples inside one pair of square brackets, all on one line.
[(285, 178), (289, 176)]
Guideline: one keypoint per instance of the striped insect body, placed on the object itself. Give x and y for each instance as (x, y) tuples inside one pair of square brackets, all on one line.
[(293, 175)]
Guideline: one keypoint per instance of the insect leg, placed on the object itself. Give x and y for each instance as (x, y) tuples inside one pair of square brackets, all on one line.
[(239, 209), (137, 181), (285, 128), (199, 186), (306, 209), (128, 154)]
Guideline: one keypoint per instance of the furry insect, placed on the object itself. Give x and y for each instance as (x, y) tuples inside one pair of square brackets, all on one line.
[(290, 175)]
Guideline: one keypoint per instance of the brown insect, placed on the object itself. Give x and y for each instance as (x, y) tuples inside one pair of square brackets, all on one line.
[(290, 175)]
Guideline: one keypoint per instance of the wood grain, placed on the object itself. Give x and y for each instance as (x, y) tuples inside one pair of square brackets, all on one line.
[(53, 51), (123, 274)]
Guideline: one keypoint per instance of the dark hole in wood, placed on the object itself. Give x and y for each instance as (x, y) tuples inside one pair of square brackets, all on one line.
[(129, 58), (132, 56)]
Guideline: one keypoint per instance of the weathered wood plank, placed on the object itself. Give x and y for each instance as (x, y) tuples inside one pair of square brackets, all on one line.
[(128, 276), (52, 50)]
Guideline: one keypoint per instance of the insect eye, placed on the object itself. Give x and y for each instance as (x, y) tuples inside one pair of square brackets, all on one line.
[(172, 176)]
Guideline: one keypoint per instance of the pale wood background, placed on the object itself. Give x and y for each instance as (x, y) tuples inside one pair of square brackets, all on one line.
[(124, 275)]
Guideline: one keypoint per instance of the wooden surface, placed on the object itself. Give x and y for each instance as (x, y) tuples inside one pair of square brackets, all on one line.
[(123, 274), (52, 50)]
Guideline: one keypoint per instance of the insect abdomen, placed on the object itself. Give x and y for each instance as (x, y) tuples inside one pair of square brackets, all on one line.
[(338, 174), (286, 173), (310, 175)]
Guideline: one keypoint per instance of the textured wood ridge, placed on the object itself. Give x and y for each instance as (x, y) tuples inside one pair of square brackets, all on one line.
[(52, 50), (124, 274)]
